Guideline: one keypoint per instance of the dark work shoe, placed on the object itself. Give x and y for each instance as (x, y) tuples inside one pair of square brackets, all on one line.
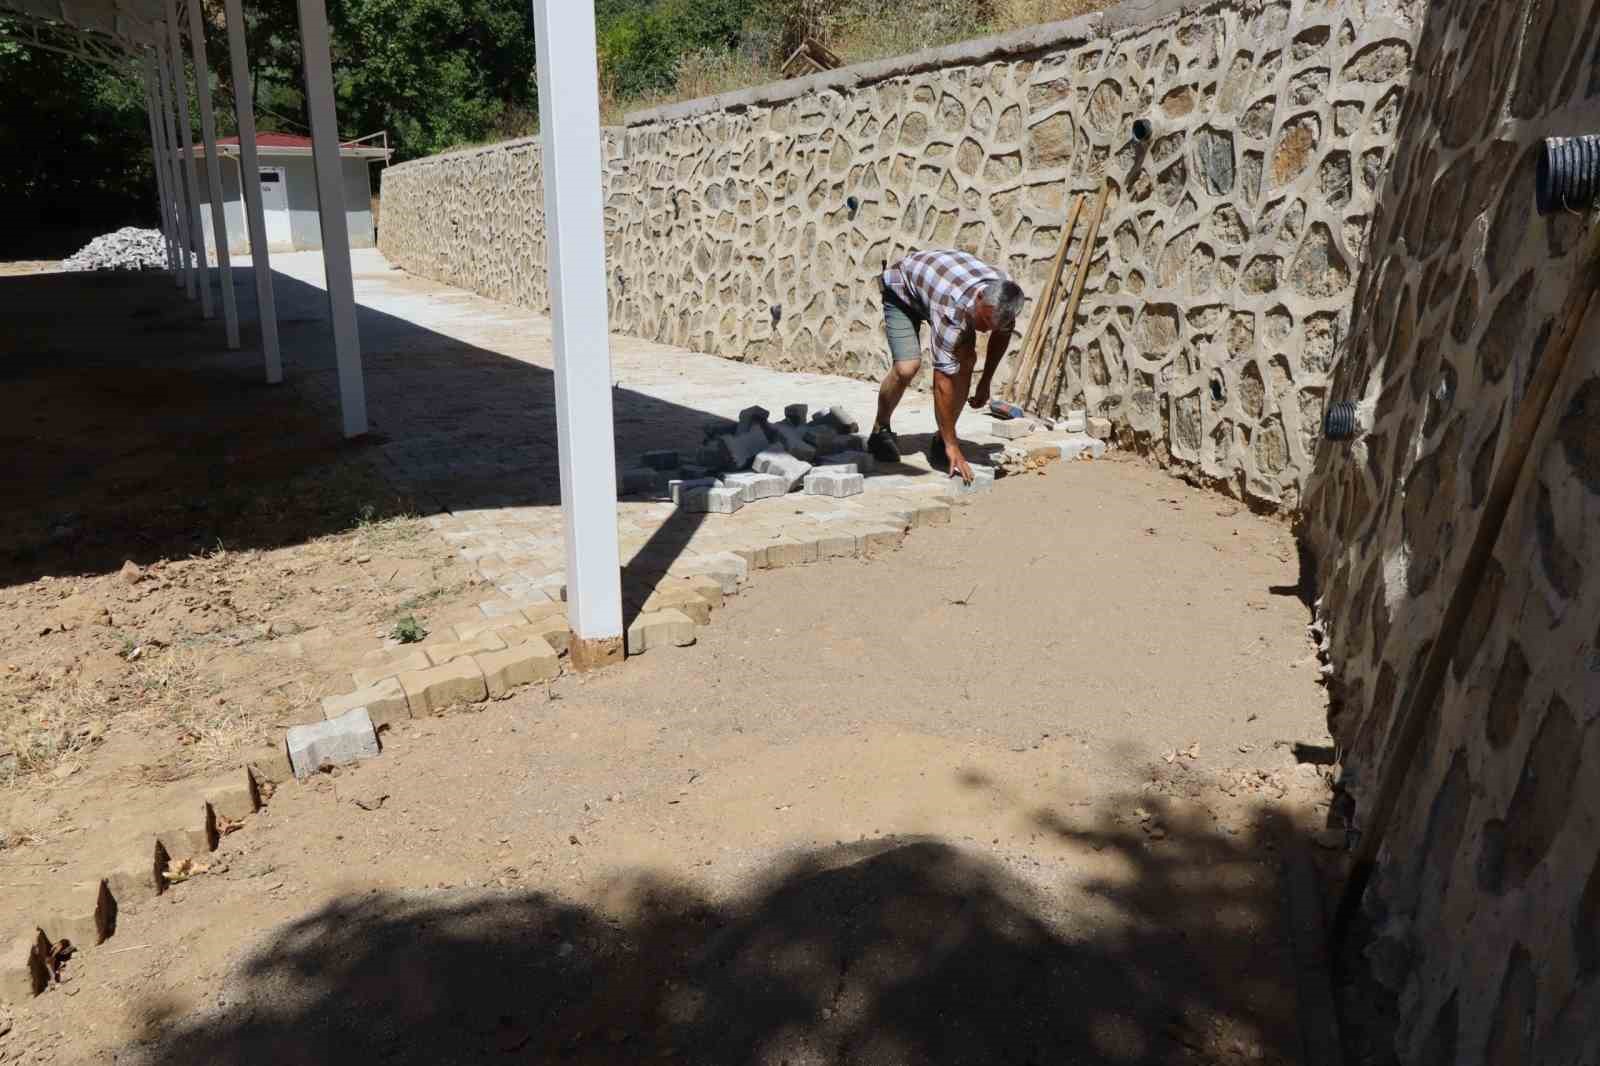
[(883, 446)]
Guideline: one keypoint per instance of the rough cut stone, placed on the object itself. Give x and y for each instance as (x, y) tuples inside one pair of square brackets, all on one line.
[(533, 660), (336, 742), (1078, 447), (234, 798), (659, 629), (384, 700), (838, 485), (86, 915), (23, 972), (720, 499), (1100, 428), (790, 467), (435, 690), (138, 878)]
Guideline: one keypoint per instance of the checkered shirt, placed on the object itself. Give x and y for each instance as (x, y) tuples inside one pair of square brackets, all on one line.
[(942, 286)]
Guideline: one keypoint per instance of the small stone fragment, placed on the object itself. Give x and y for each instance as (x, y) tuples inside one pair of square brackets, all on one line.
[(1100, 428), (131, 573)]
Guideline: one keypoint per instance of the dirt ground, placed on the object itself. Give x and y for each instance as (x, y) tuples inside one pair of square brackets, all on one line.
[(1018, 793), (153, 597)]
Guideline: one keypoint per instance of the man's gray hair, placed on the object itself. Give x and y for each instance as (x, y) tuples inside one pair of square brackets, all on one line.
[(1005, 297)]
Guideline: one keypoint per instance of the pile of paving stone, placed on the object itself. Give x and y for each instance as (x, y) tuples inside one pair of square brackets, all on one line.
[(129, 248), (757, 459)]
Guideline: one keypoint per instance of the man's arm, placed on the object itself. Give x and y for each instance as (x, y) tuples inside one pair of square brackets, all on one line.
[(998, 343)]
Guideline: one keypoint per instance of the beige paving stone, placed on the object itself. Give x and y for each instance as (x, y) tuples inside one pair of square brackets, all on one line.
[(660, 629), (386, 702), (85, 914), (523, 664), (233, 797), (390, 664), (438, 688), (443, 652), (791, 551), (23, 973)]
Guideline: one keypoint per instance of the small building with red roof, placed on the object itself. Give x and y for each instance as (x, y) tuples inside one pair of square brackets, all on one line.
[(289, 190)]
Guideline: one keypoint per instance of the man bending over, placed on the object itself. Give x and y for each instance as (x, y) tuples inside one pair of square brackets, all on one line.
[(959, 296)]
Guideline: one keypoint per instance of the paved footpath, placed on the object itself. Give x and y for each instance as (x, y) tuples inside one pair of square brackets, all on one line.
[(460, 390)]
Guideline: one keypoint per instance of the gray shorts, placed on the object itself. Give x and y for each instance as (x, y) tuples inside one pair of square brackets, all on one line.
[(902, 327)]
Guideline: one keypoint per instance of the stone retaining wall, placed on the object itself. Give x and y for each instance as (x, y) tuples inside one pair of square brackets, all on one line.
[(1488, 897), (1221, 281)]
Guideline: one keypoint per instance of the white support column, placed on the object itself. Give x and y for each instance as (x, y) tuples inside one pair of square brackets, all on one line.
[(180, 209), (330, 211), (158, 163), (250, 178), (180, 94), (208, 134), (569, 120)]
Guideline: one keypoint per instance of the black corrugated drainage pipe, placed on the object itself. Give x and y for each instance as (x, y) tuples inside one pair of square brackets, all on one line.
[(1569, 174)]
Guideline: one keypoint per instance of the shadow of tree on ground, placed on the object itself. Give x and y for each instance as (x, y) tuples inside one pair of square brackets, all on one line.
[(893, 951)]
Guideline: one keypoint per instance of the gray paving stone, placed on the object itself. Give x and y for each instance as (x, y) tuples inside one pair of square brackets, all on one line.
[(753, 486), (335, 742), (791, 468), (720, 499), (834, 484)]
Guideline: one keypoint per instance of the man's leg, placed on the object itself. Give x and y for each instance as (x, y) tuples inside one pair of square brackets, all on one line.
[(900, 376)]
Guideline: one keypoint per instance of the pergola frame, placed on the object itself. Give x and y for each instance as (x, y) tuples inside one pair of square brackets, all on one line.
[(144, 39)]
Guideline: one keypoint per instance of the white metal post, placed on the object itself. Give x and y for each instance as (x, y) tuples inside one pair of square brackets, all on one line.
[(208, 134), (250, 181), (180, 99), (569, 120), (158, 164), (175, 185), (330, 210)]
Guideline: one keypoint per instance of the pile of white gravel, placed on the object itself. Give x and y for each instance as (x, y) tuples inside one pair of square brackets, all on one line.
[(129, 248)]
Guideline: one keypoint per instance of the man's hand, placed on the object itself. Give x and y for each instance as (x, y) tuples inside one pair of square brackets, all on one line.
[(958, 463), (980, 397)]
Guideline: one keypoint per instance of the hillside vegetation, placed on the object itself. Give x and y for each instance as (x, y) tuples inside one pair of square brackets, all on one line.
[(659, 51)]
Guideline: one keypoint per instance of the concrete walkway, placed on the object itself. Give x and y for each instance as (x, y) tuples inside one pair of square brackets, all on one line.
[(461, 394)]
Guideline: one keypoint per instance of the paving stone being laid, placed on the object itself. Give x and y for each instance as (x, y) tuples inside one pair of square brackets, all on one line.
[(385, 702), (837, 485), (660, 629), (85, 914), (721, 499), (23, 970), (983, 478), (783, 464), (753, 486), (523, 664), (336, 742), (437, 689)]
